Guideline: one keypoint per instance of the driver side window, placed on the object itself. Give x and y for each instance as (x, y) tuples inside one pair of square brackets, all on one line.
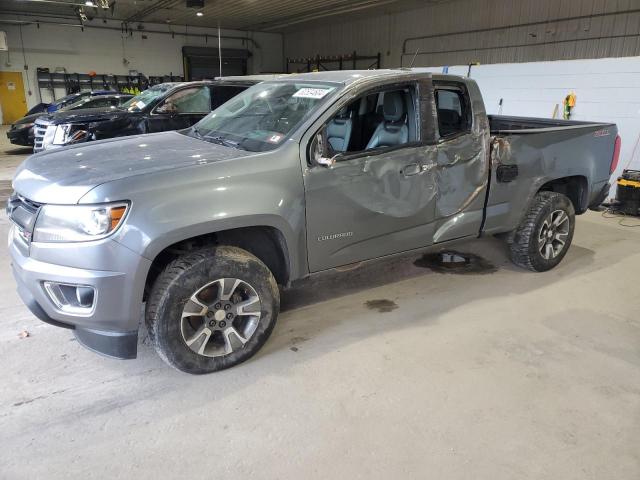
[(189, 100), (384, 118)]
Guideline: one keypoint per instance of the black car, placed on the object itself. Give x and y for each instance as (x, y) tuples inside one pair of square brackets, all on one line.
[(167, 106), (68, 100), (21, 132)]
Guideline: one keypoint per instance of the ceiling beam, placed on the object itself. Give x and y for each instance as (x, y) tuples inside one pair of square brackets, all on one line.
[(319, 13), (141, 14)]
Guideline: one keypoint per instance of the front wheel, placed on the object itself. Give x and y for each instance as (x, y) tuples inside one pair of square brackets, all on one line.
[(543, 238), (212, 309)]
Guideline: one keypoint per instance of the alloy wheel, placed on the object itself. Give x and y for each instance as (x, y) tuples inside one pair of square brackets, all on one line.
[(553, 234), (220, 317)]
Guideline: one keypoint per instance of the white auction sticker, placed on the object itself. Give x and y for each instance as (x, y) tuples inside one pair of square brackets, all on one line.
[(312, 92)]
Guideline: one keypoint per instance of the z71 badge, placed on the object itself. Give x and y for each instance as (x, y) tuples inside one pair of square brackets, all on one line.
[(601, 133)]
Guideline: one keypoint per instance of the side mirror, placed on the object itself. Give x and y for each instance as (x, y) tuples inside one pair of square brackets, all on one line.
[(321, 151)]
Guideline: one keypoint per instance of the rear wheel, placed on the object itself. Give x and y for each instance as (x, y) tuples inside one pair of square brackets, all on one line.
[(544, 236), (212, 309)]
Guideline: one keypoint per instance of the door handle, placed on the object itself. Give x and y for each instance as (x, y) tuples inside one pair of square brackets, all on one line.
[(411, 169)]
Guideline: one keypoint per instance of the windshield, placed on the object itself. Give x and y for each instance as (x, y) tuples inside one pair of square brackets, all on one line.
[(143, 99), (76, 105), (262, 117), (67, 98)]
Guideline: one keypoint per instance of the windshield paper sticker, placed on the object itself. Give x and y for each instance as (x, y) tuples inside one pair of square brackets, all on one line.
[(316, 93)]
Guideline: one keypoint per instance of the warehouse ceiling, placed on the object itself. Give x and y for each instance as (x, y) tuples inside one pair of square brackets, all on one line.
[(257, 15)]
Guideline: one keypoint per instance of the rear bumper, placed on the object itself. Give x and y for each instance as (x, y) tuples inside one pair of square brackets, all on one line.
[(117, 275), (600, 197)]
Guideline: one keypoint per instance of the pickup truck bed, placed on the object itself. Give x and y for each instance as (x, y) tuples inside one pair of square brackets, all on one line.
[(533, 154)]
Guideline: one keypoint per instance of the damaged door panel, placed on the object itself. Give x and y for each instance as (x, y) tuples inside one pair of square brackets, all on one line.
[(381, 198), (370, 206), (462, 163)]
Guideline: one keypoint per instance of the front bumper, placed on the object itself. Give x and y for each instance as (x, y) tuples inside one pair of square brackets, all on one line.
[(116, 273), (21, 136)]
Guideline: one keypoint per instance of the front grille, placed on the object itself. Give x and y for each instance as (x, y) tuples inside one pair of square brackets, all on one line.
[(39, 131), (22, 212)]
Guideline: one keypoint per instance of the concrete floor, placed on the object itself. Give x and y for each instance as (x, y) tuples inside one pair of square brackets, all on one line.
[(503, 375)]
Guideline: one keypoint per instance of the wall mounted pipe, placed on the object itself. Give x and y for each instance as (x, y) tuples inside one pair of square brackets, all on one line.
[(506, 27)]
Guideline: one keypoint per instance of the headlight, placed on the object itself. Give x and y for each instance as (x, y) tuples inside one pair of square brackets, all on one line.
[(78, 223), (60, 134), (66, 134)]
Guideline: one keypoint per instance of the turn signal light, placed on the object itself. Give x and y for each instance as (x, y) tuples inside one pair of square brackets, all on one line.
[(116, 215), (616, 155)]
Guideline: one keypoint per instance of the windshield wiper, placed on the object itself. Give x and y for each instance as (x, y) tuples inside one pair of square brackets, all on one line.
[(197, 132), (218, 140)]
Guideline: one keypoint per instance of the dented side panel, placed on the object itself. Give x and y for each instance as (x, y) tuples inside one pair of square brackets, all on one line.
[(462, 176), (583, 151), (376, 204), (366, 207)]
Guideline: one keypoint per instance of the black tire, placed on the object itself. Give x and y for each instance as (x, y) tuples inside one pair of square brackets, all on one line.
[(186, 275), (526, 247)]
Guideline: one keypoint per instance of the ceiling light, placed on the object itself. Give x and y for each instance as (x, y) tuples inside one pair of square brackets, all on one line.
[(89, 3), (199, 14)]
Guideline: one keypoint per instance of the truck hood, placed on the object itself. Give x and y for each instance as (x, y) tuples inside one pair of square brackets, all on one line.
[(65, 175), (27, 120), (88, 115)]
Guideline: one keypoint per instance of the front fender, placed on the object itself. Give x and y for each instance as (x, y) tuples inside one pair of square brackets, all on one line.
[(185, 232), (171, 206)]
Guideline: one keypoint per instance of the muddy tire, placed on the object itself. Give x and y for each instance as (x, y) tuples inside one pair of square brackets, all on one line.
[(212, 309), (543, 238)]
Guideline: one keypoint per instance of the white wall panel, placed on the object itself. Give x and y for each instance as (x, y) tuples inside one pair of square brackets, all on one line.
[(102, 51)]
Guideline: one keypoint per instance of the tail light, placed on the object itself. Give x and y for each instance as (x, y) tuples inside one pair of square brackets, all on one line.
[(616, 155)]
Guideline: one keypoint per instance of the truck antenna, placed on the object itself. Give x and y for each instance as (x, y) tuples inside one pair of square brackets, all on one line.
[(414, 57)]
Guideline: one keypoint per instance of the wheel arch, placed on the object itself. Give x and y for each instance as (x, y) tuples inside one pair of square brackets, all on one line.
[(266, 242), (575, 187)]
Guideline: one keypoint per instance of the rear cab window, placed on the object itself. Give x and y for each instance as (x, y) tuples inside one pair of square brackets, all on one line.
[(453, 110)]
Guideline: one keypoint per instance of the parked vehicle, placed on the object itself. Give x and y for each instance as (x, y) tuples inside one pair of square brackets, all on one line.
[(291, 177), (67, 100), (167, 106), (21, 132)]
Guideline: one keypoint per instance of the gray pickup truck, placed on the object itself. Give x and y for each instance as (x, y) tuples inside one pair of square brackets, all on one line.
[(196, 229)]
